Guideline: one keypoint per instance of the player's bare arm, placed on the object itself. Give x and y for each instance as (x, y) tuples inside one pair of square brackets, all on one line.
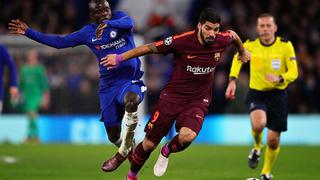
[(112, 60), (231, 89), (244, 54), (17, 27)]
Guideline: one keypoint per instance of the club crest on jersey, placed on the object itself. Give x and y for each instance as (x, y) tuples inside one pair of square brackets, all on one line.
[(216, 56), (168, 40), (113, 34)]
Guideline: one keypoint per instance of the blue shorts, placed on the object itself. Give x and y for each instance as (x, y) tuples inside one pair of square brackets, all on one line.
[(112, 101)]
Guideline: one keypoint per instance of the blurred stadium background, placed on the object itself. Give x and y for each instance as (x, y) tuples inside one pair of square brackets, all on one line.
[(72, 117)]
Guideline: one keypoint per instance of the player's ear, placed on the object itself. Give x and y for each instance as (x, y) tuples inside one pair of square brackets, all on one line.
[(199, 26), (257, 28)]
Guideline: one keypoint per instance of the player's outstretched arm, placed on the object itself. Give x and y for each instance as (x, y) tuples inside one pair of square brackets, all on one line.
[(112, 60), (244, 54), (56, 41)]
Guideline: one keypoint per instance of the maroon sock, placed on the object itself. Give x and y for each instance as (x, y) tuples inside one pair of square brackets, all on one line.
[(165, 150), (176, 146), (140, 156)]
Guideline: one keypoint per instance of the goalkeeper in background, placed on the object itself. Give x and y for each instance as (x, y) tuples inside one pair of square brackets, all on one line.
[(34, 92), (273, 66)]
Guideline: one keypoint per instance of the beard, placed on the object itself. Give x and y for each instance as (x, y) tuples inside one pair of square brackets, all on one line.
[(206, 41)]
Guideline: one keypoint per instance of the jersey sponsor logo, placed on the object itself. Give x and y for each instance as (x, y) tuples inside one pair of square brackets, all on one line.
[(113, 34), (191, 57), (200, 70), (168, 40), (275, 64), (217, 56), (115, 44)]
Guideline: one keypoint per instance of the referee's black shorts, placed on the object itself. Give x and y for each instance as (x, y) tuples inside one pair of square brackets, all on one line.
[(274, 103)]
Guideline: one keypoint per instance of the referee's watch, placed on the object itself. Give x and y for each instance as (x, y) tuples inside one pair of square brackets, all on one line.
[(232, 78), (281, 80)]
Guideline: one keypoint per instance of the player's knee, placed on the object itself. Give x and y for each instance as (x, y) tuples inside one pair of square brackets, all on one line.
[(113, 137), (273, 143), (258, 127), (131, 102), (258, 119), (187, 137)]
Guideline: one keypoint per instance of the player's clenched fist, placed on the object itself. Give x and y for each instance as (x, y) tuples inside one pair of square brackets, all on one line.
[(17, 27), (231, 90), (244, 56)]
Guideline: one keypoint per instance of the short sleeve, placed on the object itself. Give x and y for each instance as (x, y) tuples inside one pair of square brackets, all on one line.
[(166, 46)]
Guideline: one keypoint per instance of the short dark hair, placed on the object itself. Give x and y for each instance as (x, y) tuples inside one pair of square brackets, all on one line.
[(93, 3), (210, 15), (267, 15)]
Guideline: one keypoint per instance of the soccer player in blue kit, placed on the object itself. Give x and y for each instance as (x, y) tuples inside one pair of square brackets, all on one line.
[(120, 89), (6, 60)]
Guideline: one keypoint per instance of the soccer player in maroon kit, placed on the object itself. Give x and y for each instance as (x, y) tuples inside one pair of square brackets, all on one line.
[(187, 95)]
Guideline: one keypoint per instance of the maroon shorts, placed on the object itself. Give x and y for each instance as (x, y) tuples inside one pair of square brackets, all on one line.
[(189, 115)]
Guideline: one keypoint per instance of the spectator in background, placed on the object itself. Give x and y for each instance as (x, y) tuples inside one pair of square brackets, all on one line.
[(34, 92), (160, 23), (6, 60)]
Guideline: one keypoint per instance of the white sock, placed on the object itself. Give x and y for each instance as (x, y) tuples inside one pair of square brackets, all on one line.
[(131, 121)]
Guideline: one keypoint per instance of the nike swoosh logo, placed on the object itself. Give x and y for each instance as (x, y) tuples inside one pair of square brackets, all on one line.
[(95, 39), (191, 57), (198, 116)]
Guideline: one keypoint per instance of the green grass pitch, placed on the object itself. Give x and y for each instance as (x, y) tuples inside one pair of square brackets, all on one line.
[(198, 162)]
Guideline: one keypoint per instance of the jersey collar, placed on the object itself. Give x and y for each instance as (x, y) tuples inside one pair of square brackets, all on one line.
[(267, 45)]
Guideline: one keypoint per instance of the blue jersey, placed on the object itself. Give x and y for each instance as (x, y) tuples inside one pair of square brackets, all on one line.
[(116, 39), (6, 60)]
